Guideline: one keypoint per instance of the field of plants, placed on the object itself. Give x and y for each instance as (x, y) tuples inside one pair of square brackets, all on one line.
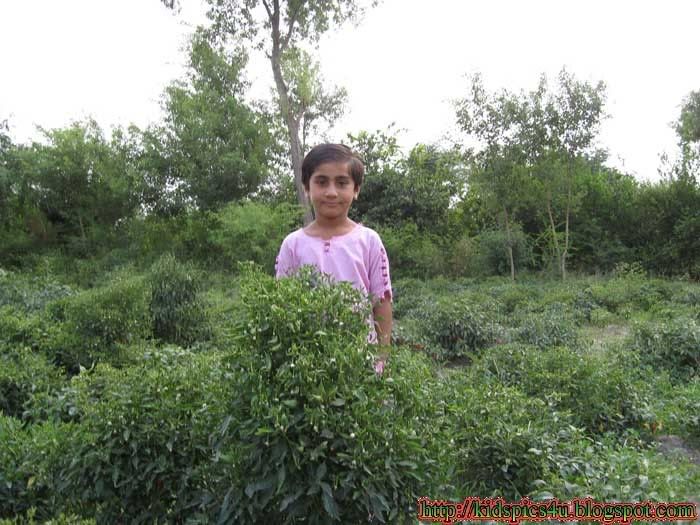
[(169, 394)]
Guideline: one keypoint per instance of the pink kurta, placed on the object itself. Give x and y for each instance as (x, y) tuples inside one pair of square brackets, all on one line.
[(357, 256)]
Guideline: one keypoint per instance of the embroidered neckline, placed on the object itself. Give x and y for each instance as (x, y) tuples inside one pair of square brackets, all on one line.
[(354, 229)]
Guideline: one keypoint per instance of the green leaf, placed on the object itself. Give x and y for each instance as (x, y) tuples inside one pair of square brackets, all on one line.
[(329, 502)]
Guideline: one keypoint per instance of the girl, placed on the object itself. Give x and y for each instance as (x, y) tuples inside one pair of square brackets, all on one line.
[(332, 175)]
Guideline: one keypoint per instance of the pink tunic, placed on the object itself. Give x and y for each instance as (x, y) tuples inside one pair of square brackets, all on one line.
[(357, 256)]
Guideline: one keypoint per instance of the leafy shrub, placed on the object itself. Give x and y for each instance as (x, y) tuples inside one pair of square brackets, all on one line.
[(498, 436), (600, 392), (176, 307), (673, 345), (97, 321), (23, 374), (31, 461), (323, 437), (253, 232), (607, 470), (511, 297), (154, 436), (687, 413), (551, 328), (29, 294), (412, 253), (492, 257), (458, 325)]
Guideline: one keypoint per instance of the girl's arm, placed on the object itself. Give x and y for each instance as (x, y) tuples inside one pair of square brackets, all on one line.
[(383, 316)]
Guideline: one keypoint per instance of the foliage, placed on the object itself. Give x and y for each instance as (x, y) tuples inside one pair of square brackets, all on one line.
[(497, 438), (601, 393), (214, 144), (459, 326), (30, 294), (23, 374), (252, 231), (153, 438), (553, 327), (607, 470), (176, 306), (97, 322), (323, 436), (492, 245), (30, 466), (412, 253), (673, 345)]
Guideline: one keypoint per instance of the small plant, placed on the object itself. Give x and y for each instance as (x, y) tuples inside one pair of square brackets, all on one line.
[(673, 345), (176, 306)]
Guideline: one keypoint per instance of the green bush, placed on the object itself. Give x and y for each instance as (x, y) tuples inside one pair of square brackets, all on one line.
[(497, 437), (97, 322), (31, 463), (24, 374), (29, 294), (600, 392), (553, 327), (673, 345), (412, 253), (491, 252), (323, 437), (154, 437), (607, 470), (459, 326), (253, 232), (687, 413), (176, 307)]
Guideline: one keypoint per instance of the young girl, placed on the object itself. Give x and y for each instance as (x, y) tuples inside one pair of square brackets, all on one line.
[(332, 175)]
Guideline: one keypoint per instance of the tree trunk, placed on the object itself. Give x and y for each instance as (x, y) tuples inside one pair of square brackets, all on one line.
[(510, 246), (566, 222), (295, 150), (553, 229)]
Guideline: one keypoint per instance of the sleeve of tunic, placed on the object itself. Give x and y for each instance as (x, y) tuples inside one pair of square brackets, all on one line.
[(284, 263), (379, 277)]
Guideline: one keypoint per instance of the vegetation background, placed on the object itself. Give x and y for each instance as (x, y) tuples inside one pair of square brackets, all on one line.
[(547, 306)]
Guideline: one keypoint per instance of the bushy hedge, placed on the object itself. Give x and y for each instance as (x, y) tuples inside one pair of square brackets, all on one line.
[(32, 460), (23, 375), (324, 437), (497, 437), (176, 307), (97, 322), (154, 437), (600, 392), (673, 345)]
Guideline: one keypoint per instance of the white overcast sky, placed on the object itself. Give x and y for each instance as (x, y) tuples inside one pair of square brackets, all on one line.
[(63, 60)]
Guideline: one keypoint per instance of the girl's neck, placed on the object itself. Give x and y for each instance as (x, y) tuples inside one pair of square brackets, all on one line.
[(325, 227)]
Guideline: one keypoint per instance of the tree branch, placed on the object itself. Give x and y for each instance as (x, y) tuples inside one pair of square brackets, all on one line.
[(267, 8), (292, 20)]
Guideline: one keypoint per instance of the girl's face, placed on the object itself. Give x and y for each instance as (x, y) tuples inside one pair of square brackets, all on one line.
[(332, 190)]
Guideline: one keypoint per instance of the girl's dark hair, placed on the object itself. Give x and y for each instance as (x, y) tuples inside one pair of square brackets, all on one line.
[(324, 153)]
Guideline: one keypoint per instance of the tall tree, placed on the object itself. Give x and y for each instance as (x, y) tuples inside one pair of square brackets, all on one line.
[(497, 122), (216, 144), (310, 103), (278, 26), (575, 113)]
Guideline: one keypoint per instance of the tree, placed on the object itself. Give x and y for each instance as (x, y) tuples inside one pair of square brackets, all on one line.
[(78, 182), (575, 113), (217, 147), (497, 121), (278, 27), (310, 104)]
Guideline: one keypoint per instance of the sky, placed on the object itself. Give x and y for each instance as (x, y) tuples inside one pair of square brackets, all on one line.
[(404, 63)]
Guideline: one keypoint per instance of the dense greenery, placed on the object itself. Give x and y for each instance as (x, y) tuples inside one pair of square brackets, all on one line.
[(150, 372), (271, 407)]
